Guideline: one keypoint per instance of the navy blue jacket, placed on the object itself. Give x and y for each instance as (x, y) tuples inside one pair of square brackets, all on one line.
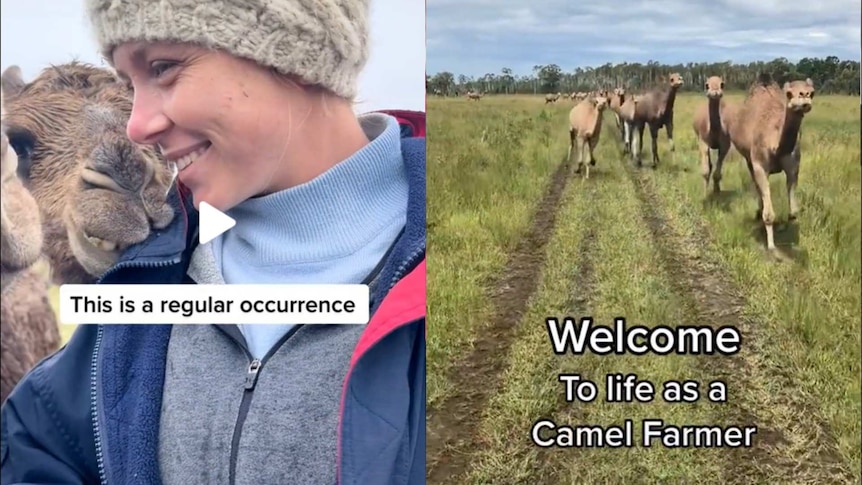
[(90, 412)]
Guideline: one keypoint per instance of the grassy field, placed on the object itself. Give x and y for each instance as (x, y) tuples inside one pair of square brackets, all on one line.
[(515, 237)]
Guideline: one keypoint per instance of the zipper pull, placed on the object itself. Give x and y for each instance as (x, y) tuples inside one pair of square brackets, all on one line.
[(251, 374)]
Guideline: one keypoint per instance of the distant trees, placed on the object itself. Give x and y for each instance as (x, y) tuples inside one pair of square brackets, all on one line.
[(830, 75)]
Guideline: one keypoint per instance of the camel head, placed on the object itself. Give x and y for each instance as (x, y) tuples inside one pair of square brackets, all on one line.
[(600, 99), (675, 80), (714, 87), (20, 225), (97, 191), (799, 95), (616, 98)]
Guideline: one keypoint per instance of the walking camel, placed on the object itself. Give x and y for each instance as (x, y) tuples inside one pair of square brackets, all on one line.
[(766, 133), (655, 109), (711, 122)]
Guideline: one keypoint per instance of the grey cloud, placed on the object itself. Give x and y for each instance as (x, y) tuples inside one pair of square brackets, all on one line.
[(478, 36)]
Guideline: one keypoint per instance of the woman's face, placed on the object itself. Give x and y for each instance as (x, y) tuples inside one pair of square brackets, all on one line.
[(224, 121)]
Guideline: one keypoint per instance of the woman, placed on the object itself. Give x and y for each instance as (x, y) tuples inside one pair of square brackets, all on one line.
[(251, 100)]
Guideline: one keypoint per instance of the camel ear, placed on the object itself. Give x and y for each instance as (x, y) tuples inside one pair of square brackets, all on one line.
[(12, 81), (809, 82), (722, 85)]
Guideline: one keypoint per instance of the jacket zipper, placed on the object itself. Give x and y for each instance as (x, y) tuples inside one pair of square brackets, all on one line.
[(252, 373), (402, 269), (95, 389)]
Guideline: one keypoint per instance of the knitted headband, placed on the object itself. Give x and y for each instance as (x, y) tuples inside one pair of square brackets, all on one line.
[(322, 42)]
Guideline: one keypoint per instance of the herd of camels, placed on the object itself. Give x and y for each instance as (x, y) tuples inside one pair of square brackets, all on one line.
[(764, 128), (77, 191)]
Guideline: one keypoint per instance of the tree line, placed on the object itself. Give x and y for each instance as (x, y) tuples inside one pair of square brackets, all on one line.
[(830, 75)]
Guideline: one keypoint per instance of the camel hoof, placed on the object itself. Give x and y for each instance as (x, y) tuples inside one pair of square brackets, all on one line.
[(592, 163)]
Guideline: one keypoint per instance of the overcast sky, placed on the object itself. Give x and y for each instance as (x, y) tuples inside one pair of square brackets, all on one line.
[(36, 33), (475, 37)]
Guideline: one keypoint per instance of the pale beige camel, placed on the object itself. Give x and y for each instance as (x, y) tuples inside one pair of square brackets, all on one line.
[(766, 133), (552, 98), (585, 129)]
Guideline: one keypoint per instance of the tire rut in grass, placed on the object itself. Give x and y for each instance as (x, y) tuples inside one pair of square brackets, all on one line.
[(582, 296), (453, 426), (713, 299)]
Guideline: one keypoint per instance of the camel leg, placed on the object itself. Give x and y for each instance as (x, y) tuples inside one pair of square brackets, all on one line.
[(758, 196), (761, 180), (571, 144), (669, 126), (791, 171), (627, 138), (582, 155), (590, 145), (705, 162), (653, 131), (638, 139), (593, 142), (723, 150), (633, 142)]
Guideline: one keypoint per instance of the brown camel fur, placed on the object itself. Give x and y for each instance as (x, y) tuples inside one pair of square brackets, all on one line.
[(28, 325), (711, 129), (585, 128), (655, 109), (98, 192), (476, 96), (766, 133)]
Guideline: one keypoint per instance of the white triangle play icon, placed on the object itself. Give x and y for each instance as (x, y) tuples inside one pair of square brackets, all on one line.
[(212, 223)]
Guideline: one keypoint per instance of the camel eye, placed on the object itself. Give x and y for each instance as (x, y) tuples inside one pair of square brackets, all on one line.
[(23, 143)]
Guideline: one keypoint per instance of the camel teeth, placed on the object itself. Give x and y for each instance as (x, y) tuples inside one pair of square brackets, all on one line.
[(100, 243)]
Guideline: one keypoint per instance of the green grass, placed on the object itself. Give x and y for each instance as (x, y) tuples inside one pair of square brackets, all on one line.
[(797, 377)]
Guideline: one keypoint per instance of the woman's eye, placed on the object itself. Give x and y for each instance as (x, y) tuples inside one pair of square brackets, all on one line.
[(158, 68)]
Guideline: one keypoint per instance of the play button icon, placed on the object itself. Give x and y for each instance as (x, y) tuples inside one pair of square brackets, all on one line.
[(212, 223)]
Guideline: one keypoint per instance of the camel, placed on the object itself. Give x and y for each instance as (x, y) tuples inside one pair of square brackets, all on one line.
[(655, 109), (98, 192), (551, 98), (624, 106), (28, 325), (475, 96), (766, 133), (616, 99), (710, 125), (585, 126)]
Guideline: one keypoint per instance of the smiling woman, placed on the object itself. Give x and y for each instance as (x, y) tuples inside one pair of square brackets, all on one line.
[(251, 104)]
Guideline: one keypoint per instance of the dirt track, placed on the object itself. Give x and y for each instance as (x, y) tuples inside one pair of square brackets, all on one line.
[(711, 298)]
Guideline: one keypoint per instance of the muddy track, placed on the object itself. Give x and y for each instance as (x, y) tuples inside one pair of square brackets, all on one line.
[(712, 298), (544, 473), (582, 296), (453, 425)]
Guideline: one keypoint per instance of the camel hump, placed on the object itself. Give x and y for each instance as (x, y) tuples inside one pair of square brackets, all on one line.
[(764, 79)]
